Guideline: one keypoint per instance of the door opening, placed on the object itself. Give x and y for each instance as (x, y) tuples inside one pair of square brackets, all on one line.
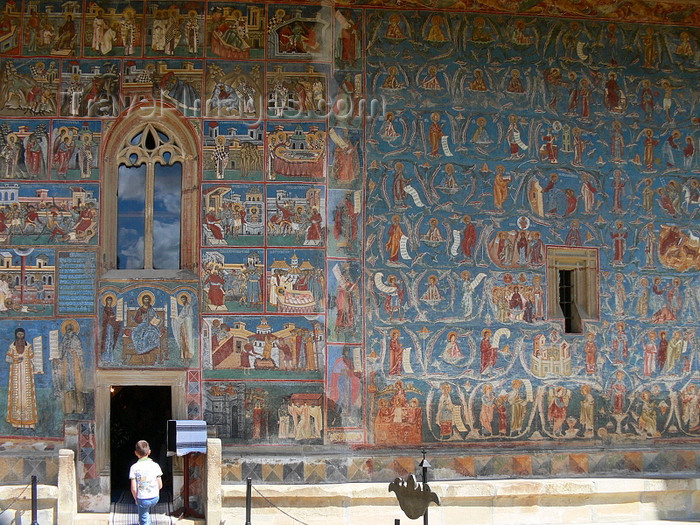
[(138, 412)]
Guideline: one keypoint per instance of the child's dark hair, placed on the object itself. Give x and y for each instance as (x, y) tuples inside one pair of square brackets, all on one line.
[(143, 448)]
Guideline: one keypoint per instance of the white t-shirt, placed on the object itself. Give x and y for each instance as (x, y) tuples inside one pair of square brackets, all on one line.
[(146, 472)]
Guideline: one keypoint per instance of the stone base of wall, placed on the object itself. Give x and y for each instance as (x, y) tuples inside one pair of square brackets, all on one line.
[(493, 502)]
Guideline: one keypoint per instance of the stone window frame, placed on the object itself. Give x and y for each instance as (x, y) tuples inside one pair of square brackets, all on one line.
[(584, 264), (183, 146)]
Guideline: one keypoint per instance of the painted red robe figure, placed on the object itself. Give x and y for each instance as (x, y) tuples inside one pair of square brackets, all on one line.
[(395, 354), (558, 408), (346, 163), (662, 355), (215, 295), (345, 303), (314, 233), (86, 219), (469, 239), (435, 135), (34, 156), (502, 412), (618, 391), (591, 351), (489, 353), (213, 223), (619, 238), (345, 221), (393, 245), (344, 384), (348, 42)]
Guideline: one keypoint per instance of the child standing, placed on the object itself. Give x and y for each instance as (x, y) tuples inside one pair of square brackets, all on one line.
[(146, 482)]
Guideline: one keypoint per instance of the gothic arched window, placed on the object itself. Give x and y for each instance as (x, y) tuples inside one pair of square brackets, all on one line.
[(149, 199)]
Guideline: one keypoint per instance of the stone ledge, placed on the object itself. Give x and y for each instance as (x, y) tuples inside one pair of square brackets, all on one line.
[(536, 502), (22, 492), (477, 489)]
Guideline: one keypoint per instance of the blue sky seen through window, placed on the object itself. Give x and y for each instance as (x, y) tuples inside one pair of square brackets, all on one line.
[(131, 206)]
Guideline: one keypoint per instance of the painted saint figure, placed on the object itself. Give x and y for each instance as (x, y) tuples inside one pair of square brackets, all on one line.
[(395, 353), (21, 394), (452, 353), (69, 370), (146, 334), (111, 329), (183, 327)]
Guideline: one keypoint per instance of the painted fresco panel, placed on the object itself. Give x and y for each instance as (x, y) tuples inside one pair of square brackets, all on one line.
[(265, 412), (47, 375), (346, 154), (234, 90), (344, 301), (30, 87), (10, 28), (465, 197), (25, 149), (234, 215), (236, 32), (296, 215), (296, 152), (296, 281), (28, 282), (233, 280), (53, 28), (57, 214), (233, 150), (90, 88), (76, 282), (175, 30), (299, 33), (113, 29), (75, 151), (148, 327), (297, 91), (180, 84), (273, 347), (345, 369)]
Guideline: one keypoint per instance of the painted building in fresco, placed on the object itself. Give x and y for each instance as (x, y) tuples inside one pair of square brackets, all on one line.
[(392, 229)]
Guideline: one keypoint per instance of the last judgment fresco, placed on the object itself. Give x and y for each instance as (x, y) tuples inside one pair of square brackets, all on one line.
[(388, 204)]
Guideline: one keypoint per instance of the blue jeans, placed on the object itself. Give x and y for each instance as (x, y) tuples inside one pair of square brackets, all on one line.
[(144, 509)]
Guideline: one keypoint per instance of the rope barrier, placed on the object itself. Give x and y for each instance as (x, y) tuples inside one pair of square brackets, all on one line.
[(14, 500), (283, 512)]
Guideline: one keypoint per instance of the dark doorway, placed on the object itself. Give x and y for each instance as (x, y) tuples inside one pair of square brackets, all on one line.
[(138, 412)]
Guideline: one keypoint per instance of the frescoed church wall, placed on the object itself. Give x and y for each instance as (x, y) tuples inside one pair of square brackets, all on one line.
[(381, 196)]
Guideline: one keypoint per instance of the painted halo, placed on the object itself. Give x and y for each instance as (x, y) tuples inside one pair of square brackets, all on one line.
[(109, 294), (70, 322), (144, 294)]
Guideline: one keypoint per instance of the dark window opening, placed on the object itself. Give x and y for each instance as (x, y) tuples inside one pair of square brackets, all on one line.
[(567, 303)]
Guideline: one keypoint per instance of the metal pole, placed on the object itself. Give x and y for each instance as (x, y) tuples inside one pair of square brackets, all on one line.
[(248, 499), (425, 485), (34, 501)]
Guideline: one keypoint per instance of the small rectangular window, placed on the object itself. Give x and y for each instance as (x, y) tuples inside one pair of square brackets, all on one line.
[(572, 286)]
